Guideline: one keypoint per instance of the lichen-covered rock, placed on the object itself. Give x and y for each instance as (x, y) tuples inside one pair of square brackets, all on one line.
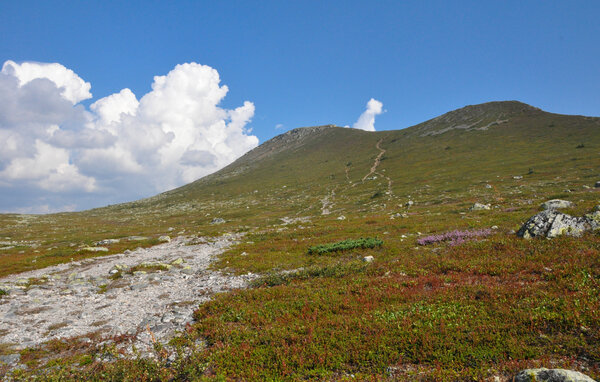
[(568, 225), (551, 223), (177, 261), (551, 375), (165, 239), (480, 207), (556, 204), (594, 218), (217, 221)]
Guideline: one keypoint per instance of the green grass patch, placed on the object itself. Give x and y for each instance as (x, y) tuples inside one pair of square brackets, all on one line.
[(345, 245)]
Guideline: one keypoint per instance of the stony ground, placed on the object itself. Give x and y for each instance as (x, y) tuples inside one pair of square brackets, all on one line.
[(144, 293)]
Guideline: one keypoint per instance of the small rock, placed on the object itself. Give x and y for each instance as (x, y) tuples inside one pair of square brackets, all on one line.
[(187, 270), (217, 221), (409, 204), (488, 186), (170, 229), (597, 185), (10, 359), (517, 177), (94, 249), (342, 217), (494, 227), (481, 207), (551, 375), (556, 204), (586, 186), (106, 242), (138, 286), (368, 259), (137, 238), (165, 239)]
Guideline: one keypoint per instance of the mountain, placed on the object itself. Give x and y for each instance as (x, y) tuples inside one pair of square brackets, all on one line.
[(476, 307), (294, 173), (468, 145)]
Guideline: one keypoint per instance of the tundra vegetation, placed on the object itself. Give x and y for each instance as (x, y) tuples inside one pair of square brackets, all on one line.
[(446, 298)]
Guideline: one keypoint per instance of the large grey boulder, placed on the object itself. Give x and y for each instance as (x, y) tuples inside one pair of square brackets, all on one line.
[(556, 204), (550, 223), (551, 375)]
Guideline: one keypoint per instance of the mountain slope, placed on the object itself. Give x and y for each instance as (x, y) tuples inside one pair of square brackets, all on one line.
[(292, 174), (478, 309)]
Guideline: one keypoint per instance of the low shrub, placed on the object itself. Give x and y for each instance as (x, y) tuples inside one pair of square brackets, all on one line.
[(345, 245)]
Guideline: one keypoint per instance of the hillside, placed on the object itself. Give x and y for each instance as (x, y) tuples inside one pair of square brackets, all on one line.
[(470, 311)]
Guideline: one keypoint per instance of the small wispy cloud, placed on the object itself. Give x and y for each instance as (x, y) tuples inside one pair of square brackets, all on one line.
[(366, 121), (278, 126)]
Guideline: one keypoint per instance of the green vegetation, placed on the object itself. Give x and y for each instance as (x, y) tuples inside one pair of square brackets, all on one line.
[(469, 311), (345, 245)]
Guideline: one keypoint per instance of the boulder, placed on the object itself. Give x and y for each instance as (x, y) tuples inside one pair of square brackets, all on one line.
[(551, 223), (551, 375), (481, 207), (556, 204)]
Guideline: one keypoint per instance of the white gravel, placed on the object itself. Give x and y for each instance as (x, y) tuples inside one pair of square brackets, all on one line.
[(72, 302)]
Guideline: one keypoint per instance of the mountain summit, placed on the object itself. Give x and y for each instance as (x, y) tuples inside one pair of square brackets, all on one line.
[(476, 117)]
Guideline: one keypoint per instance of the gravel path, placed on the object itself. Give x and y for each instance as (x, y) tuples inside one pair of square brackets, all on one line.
[(80, 298)]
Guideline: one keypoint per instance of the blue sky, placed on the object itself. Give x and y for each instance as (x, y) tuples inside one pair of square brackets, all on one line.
[(303, 63)]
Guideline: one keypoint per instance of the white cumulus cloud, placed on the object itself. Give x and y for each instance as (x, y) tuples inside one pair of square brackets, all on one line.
[(71, 86), (366, 121), (56, 152)]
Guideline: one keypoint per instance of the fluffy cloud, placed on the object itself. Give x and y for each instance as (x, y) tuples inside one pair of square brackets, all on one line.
[(72, 88), (366, 121), (56, 152)]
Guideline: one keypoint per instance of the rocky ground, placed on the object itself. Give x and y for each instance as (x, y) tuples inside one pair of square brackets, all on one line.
[(144, 293)]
